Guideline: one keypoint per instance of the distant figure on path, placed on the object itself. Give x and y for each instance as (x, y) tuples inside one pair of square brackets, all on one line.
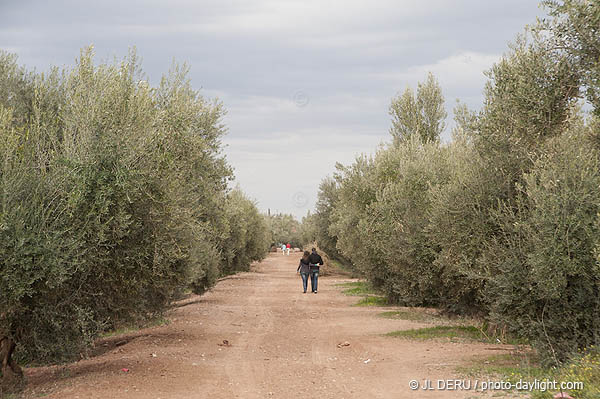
[(315, 261), (304, 269), (288, 247), (283, 249)]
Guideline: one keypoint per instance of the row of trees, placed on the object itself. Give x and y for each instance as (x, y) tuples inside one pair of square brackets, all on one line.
[(114, 201), (504, 220), (285, 228)]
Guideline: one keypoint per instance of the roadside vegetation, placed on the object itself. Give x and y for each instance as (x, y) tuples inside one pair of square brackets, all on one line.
[(285, 229), (414, 314), (456, 332), (502, 222), (370, 297), (114, 201), (525, 365), (357, 288), (451, 332)]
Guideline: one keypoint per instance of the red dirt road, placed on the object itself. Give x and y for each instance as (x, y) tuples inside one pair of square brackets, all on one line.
[(282, 344)]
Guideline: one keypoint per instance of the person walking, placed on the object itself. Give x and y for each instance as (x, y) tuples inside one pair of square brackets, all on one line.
[(283, 249), (304, 269), (315, 261), (288, 247)]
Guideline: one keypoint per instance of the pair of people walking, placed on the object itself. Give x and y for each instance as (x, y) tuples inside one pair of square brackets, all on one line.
[(309, 266)]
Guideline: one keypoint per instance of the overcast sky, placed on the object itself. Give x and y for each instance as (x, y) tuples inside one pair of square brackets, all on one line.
[(306, 83)]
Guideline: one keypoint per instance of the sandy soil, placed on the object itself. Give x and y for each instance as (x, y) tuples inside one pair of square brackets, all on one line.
[(281, 344)]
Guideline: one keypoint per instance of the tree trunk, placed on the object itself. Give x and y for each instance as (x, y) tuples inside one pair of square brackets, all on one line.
[(9, 368)]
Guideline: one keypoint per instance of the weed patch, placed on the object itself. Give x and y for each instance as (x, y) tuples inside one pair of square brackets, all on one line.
[(372, 301), (524, 366), (357, 288), (159, 321), (410, 314), (452, 332)]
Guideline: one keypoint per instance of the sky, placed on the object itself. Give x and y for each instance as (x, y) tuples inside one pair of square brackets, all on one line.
[(305, 83)]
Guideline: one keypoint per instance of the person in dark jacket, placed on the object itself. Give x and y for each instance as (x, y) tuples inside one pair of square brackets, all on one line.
[(315, 262), (304, 269)]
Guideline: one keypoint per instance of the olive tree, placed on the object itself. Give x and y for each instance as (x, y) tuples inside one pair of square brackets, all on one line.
[(113, 200), (422, 114), (574, 29), (546, 284)]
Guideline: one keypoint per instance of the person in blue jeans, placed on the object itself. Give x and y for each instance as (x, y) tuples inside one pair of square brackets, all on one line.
[(315, 261), (304, 269)]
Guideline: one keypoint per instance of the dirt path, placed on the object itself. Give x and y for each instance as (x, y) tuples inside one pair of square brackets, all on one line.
[(283, 344)]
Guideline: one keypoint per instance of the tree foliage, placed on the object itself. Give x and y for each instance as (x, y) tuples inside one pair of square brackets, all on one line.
[(502, 221), (315, 227), (285, 229), (546, 282), (574, 27), (422, 114), (113, 200)]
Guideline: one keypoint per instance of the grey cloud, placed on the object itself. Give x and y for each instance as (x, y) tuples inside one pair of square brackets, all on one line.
[(348, 57)]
